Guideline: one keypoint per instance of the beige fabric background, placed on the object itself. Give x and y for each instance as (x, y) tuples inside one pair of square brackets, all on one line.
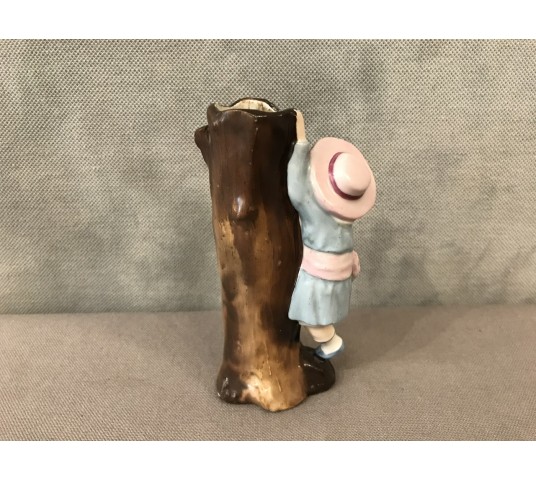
[(104, 202), (413, 373)]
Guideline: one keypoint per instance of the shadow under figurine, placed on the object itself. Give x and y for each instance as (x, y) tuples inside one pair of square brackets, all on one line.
[(330, 186)]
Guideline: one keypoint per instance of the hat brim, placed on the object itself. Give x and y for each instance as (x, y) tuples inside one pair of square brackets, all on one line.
[(326, 196)]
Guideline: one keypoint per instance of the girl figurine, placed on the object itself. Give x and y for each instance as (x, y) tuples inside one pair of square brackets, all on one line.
[(330, 186)]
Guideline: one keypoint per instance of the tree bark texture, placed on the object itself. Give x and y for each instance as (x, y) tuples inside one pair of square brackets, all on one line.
[(247, 147)]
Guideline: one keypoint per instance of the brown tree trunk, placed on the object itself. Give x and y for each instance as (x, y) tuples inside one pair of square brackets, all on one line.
[(247, 147)]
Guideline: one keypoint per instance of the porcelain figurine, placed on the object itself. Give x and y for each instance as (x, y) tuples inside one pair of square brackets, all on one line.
[(330, 186), (247, 146)]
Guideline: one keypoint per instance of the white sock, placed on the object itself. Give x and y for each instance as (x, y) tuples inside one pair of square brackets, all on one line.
[(331, 345)]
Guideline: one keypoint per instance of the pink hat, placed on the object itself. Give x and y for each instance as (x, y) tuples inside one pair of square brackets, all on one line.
[(342, 180)]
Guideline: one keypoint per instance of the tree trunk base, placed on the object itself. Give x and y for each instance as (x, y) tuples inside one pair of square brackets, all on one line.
[(318, 376)]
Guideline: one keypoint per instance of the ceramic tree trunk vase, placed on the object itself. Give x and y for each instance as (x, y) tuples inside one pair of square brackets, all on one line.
[(247, 147), (282, 216)]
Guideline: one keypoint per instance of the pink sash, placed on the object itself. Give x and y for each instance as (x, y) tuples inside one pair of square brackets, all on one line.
[(330, 266)]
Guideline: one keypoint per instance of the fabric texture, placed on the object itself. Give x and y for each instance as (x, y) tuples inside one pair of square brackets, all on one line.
[(406, 374), (104, 197)]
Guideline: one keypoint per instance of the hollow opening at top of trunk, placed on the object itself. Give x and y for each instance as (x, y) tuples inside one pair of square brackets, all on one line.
[(249, 104)]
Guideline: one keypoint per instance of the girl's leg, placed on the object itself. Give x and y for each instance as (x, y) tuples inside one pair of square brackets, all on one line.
[(330, 342)]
